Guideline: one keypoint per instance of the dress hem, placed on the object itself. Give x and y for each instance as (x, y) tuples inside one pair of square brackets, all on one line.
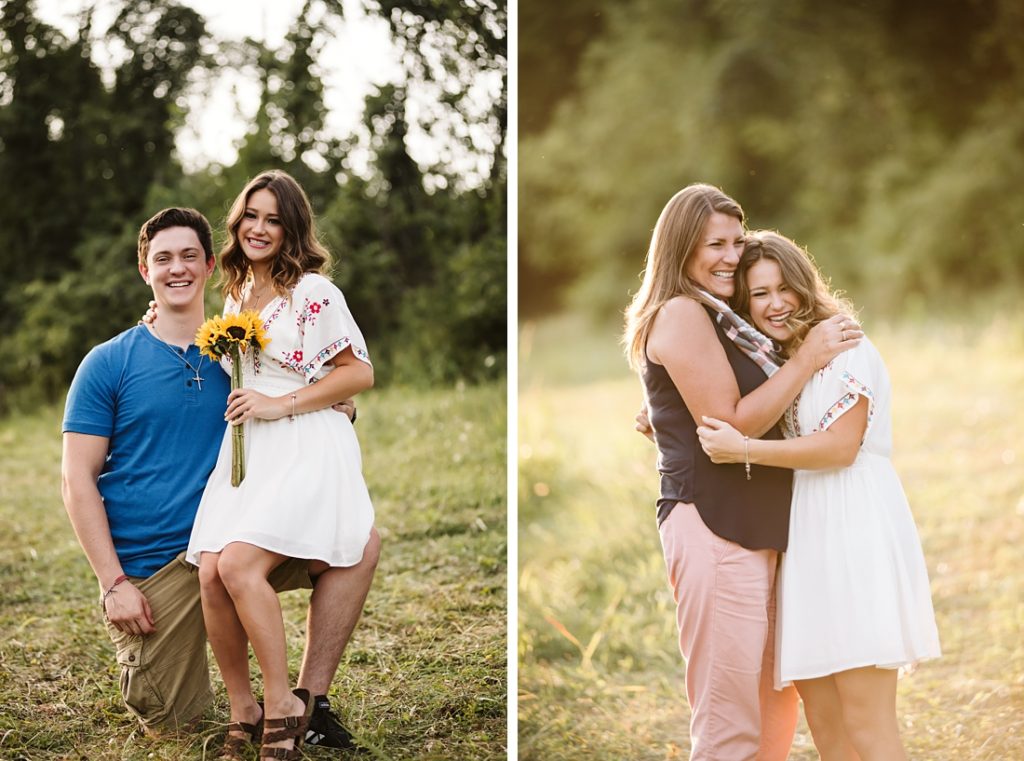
[(907, 665), (333, 564)]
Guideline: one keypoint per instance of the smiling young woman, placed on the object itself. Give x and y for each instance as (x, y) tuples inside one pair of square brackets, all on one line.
[(854, 600), (304, 497), (271, 242), (771, 302), (260, 235)]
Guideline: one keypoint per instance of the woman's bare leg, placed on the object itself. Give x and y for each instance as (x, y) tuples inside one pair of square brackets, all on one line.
[(868, 696), (824, 714), (228, 640), (244, 569)]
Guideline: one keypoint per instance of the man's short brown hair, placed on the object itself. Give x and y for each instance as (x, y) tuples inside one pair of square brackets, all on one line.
[(175, 217)]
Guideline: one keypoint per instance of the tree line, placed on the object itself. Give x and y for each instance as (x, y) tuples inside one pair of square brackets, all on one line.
[(885, 135), (86, 161)]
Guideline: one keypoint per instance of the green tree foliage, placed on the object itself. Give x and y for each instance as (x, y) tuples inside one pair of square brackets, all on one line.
[(552, 40), (884, 135), (49, 121), (456, 46), (428, 270), (80, 158), (423, 271)]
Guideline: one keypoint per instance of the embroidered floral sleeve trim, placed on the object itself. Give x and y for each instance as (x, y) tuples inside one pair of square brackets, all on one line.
[(848, 401), (294, 360), (307, 316)]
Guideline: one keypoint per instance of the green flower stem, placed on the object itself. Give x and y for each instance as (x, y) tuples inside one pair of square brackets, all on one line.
[(237, 431)]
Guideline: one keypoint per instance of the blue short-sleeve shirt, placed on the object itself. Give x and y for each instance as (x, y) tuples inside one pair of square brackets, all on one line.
[(164, 435)]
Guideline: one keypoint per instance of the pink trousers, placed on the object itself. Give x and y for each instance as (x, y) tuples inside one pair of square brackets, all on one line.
[(725, 609)]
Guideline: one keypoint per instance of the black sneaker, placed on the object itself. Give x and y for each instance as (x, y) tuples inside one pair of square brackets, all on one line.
[(324, 728)]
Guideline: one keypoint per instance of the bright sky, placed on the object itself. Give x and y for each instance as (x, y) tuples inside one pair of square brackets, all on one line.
[(358, 57)]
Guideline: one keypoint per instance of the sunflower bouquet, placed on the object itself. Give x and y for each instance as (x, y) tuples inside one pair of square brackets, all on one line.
[(232, 335)]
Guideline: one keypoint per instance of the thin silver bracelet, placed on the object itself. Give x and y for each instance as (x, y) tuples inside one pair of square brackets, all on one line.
[(746, 455)]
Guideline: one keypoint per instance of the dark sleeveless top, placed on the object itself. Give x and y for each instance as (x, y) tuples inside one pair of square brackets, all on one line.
[(754, 513)]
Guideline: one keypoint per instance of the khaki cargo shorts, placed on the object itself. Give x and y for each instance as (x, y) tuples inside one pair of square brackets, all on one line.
[(165, 676)]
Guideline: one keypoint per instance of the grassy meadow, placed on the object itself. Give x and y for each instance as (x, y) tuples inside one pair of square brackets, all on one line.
[(600, 676), (425, 674)]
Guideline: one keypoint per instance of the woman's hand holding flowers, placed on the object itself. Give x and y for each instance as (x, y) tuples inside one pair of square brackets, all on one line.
[(246, 404)]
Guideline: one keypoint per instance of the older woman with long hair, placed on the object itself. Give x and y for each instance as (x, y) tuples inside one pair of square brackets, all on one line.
[(722, 527)]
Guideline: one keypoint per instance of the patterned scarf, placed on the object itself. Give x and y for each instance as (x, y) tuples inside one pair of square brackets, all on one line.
[(747, 338)]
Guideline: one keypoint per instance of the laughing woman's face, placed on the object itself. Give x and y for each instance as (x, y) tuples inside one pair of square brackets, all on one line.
[(772, 301), (713, 263)]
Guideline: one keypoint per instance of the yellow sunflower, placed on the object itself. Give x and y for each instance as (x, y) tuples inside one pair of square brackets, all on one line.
[(258, 336), (210, 338), (216, 336)]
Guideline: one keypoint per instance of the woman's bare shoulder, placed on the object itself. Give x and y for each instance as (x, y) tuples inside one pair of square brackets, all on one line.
[(682, 309), (680, 326)]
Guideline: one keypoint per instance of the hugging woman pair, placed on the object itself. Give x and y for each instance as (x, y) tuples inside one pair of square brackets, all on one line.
[(771, 413)]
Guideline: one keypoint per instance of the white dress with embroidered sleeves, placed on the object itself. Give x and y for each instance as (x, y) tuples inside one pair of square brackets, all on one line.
[(853, 585), (303, 495)]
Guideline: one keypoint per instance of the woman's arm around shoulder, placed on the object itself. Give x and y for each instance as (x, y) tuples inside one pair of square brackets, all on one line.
[(684, 341)]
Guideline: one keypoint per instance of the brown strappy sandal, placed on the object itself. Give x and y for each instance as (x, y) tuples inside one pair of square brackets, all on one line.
[(234, 748), (288, 728)]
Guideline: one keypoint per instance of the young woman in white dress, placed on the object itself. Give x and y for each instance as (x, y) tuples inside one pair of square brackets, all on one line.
[(303, 495), (854, 604)]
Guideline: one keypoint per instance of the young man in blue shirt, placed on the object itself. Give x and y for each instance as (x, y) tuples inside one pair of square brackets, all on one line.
[(142, 427)]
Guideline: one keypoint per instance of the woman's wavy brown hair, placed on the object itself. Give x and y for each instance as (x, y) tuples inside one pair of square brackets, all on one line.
[(675, 237), (818, 301), (300, 252)]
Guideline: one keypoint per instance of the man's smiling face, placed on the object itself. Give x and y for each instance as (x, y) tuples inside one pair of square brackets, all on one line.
[(176, 268)]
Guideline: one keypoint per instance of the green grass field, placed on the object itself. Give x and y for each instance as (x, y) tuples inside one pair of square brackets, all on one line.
[(425, 674), (600, 677)]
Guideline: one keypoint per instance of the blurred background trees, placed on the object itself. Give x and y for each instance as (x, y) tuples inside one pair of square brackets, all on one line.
[(885, 135), (87, 155)]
